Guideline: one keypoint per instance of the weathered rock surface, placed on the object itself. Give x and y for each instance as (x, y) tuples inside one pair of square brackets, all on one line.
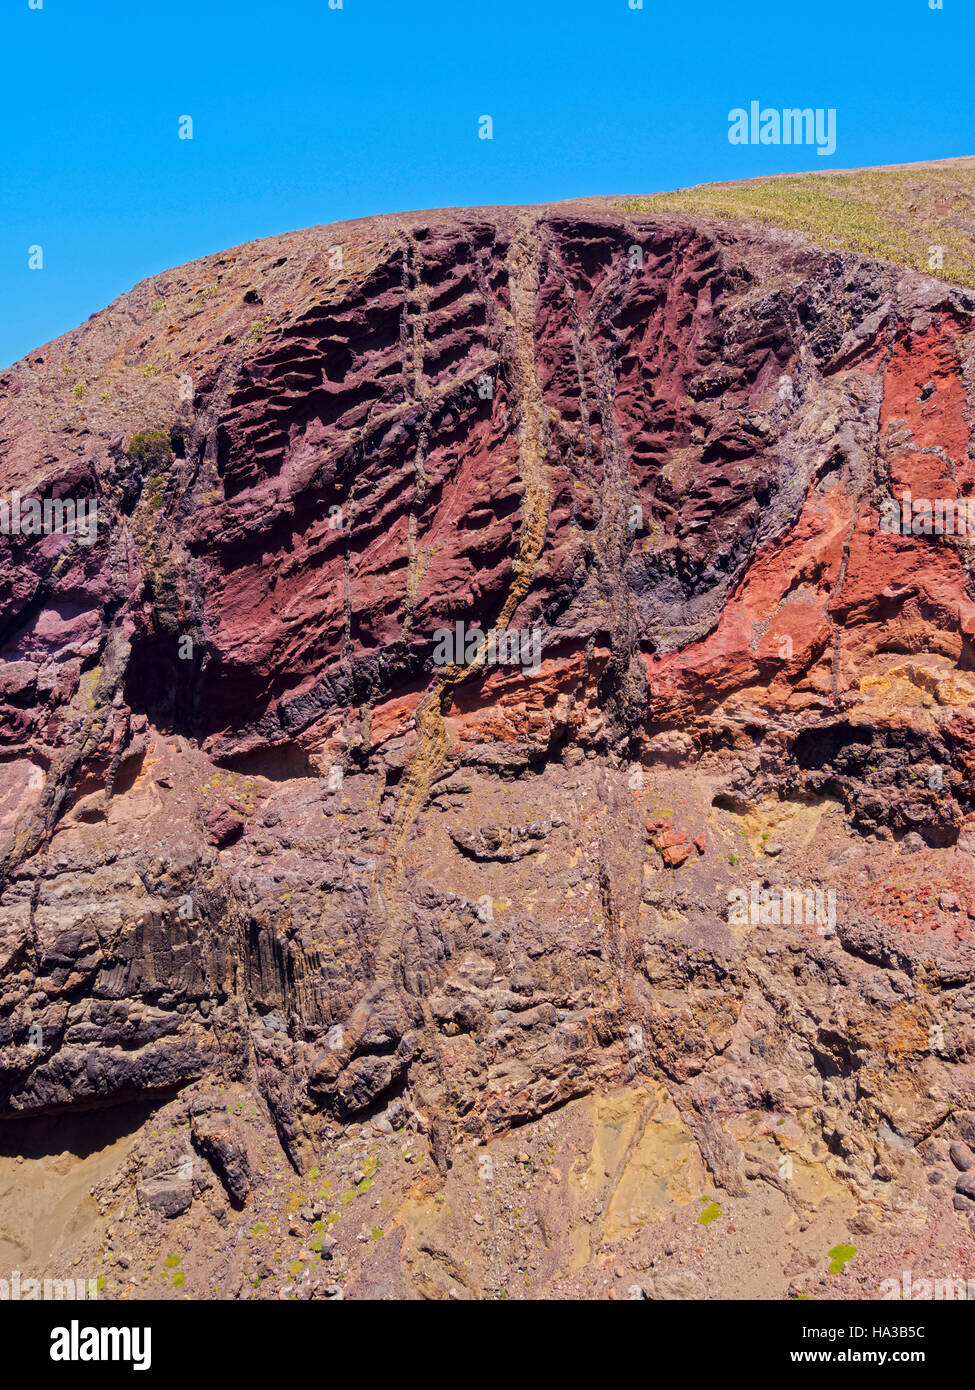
[(253, 837)]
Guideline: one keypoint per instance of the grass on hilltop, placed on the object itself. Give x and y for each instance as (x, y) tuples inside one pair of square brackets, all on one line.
[(893, 215)]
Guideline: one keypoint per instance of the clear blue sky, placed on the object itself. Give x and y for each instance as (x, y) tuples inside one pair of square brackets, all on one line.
[(305, 115)]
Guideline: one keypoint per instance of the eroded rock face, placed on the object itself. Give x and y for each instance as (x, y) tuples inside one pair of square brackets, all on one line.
[(693, 840)]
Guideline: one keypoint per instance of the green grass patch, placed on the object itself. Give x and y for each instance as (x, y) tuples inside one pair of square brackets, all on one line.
[(893, 215), (710, 1213), (151, 447)]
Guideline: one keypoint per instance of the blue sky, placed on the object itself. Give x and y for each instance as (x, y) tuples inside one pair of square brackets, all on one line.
[(303, 115)]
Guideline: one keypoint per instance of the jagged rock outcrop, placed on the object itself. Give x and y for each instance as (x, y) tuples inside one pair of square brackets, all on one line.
[(253, 833)]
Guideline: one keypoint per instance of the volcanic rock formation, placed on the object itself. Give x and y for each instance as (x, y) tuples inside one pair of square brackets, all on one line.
[(455, 944)]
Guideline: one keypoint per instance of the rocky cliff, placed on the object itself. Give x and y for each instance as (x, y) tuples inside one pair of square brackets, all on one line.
[(630, 951)]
